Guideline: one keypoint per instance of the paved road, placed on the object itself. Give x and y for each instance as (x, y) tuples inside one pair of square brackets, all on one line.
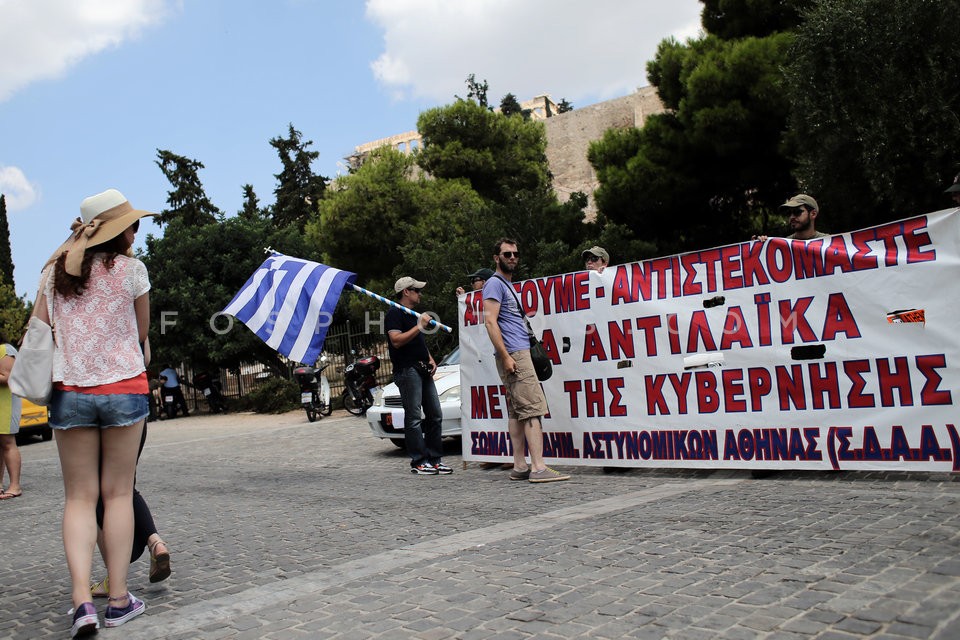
[(283, 529)]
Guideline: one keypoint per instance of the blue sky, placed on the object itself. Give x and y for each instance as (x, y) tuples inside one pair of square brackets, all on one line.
[(90, 89)]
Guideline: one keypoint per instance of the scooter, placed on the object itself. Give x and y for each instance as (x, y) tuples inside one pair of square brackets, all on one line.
[(314, 390), (210, 388), (360, 380)]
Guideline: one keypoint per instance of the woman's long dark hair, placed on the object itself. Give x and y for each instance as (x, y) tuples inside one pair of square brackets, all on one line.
[(69, 285)]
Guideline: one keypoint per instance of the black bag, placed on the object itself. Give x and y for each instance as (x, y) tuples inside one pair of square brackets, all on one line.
[(541, 361)]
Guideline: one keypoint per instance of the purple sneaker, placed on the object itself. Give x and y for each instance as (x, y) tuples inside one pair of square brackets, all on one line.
[(116, 616), (85, 621)]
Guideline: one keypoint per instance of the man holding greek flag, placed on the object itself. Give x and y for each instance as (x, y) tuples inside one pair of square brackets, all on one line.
[(289, 302)]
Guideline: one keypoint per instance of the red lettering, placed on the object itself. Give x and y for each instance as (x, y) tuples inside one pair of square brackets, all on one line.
[(931, 394), (916, 240), (856, 398), (730, 268), (759, 382), (839, 319), (700, 332), (792, 321), (593, 345), (733, 398), (894, 379), (708, 400), (824, 383), (735, 330)]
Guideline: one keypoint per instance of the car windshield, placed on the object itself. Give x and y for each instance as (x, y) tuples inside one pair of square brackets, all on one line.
[(451, 358)]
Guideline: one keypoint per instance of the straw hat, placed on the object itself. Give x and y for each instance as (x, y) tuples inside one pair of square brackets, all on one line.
[(102, 218)]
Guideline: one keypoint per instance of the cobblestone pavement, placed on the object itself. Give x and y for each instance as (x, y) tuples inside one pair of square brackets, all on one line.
[(283, 529)]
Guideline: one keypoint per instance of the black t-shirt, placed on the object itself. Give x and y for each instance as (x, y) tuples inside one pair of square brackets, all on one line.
[(412, 352)]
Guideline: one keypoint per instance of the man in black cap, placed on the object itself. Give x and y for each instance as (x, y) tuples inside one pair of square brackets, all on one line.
[(954, 189), (477, 278)]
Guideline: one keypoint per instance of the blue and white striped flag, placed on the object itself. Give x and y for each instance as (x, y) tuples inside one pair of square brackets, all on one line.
[(289, 303)]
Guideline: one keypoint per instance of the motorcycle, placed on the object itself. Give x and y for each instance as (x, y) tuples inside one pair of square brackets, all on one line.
[(210, 388), (360, 380), (314, 390)]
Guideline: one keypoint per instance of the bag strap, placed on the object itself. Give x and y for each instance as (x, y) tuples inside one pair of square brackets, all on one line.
[(519, 306)]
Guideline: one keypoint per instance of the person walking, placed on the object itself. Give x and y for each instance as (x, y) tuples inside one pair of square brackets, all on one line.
[(9, 426), (505, 325), (413, 368), (96, 296)]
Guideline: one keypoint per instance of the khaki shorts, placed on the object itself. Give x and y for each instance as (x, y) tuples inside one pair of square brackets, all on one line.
[(525, 397)]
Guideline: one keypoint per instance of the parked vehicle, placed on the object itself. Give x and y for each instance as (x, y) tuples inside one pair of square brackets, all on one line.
[(360, 380), (314, 390), (33, 421), (385, 417), (209, 386)]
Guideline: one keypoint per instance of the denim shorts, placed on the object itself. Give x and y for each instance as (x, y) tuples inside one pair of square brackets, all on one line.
[(69, 409)]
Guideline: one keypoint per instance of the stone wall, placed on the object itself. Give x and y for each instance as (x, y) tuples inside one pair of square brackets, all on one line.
[(569, 136)]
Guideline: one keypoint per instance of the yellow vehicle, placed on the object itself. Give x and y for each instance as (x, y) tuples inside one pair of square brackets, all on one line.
[(33, 420)]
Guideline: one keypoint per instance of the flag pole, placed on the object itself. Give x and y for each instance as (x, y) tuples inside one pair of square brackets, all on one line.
[(398, 306)]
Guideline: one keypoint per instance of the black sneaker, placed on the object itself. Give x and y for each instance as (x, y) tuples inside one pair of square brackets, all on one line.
[(424, 469), (442, 469), (85, 621)]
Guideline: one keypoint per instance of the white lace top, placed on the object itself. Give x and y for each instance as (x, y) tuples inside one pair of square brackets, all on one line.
[(96, 332)]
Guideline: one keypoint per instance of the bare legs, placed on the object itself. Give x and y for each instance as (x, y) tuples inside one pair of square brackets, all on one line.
[(84, 480), (11, 460), (526, 436)]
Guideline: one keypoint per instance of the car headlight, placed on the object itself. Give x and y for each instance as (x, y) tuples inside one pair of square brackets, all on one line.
[(378, 396), (451, 395)]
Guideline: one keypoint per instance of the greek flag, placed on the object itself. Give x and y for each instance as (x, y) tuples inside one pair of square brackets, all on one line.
[(289, 303)]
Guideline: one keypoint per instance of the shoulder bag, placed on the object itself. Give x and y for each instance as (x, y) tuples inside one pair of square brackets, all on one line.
[(32, 374), (541, 361)]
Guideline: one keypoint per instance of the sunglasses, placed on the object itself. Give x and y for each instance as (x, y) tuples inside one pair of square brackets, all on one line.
[(474, 280), (510, 254), (592, 259), (415, 290)]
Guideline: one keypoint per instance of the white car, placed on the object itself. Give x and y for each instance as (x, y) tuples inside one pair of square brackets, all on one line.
[(385, 417)]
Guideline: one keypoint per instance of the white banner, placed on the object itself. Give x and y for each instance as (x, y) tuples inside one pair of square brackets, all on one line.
[(835, 353)]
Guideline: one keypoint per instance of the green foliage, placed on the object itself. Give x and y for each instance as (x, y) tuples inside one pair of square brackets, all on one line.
[(563, 106), (365, 217), (14, 313), (273, 395), (500, 156), (477, 91), (712, 168), (299, 189), (730, 19), (509, 105), (874, 86), (6, 257), (188, 201)]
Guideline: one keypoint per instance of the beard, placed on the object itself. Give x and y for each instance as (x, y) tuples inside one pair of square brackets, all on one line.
[(506, 267)]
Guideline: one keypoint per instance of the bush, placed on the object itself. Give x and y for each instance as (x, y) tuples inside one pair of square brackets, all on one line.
[(274, 395)]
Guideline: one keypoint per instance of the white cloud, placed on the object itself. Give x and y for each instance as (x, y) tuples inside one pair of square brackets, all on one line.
[(41, 39), (16, 189), (567, 48)]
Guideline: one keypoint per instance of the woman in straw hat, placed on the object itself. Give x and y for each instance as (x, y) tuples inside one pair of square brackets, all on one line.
[(97, 294)]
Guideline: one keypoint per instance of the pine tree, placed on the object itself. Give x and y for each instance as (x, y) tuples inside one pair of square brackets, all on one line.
[(188, 201), (299, 189), (6, 257)]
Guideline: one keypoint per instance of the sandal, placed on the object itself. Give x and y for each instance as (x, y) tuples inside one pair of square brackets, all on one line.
[(100, 589), (159, 562)]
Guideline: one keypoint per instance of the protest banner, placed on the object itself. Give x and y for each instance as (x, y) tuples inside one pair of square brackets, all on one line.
[(836, 353)]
